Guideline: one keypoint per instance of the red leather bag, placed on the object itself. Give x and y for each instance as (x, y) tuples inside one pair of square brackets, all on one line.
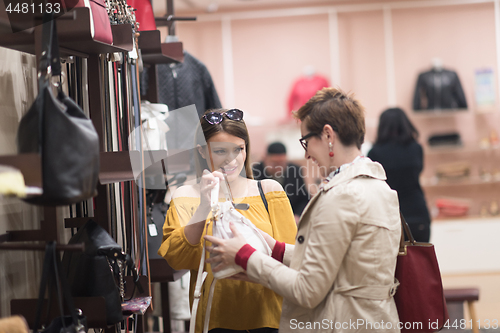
[(100, 25), (144, 14), (419, 299), (452, 207)]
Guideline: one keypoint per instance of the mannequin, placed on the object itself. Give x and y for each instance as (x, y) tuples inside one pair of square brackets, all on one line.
[(305, 87), (437, 64), (438, 88)]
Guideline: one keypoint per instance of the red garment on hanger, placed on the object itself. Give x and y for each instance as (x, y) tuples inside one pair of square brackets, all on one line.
[(303, 89), (144, 14)]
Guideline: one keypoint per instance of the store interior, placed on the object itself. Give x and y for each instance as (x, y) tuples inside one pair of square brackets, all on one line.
[(256, 50)]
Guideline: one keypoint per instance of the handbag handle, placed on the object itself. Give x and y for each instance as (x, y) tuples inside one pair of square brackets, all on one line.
[(262, 195), (49, 60), (405, 230), (51, 261)]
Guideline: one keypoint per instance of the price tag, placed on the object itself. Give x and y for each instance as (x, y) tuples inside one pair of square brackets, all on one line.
[(152, 230)]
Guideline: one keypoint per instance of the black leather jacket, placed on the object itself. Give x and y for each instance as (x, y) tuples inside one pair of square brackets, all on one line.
[(439, 89)]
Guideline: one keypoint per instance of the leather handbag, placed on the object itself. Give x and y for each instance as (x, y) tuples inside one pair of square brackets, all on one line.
[(99, 270), (51, 276), (57, 128), (100, 25), (144, 14), (452, 207), (419, 299)]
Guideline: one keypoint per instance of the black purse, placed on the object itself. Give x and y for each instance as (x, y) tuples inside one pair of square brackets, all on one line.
[(51, 276), (99, 270), (57, 128)]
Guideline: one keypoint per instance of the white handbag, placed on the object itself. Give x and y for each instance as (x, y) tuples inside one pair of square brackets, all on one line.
[(222, 214)]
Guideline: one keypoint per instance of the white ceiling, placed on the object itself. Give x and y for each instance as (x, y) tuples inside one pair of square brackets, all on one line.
[(231, 5)]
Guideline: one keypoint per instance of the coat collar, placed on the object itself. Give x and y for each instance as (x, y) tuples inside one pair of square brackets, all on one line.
[(363, 168)]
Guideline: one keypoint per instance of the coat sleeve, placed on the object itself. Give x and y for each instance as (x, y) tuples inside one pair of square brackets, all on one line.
[(458, 92), (332, 229), (287, 257), (211, 97), (417, 101)]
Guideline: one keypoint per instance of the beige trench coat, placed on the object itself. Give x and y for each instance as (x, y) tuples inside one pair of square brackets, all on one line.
[(339, 275)]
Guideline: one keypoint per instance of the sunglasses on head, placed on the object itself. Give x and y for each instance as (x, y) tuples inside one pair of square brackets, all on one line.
[(216, 118)]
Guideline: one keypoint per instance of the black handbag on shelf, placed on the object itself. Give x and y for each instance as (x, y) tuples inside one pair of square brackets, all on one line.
[(51, 276), (99, 270), (57, 128)]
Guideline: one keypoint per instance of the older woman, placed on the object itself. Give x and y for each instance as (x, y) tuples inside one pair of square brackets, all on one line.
[(339, 275)]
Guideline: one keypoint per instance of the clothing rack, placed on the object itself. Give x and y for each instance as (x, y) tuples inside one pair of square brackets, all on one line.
[(85, 47)]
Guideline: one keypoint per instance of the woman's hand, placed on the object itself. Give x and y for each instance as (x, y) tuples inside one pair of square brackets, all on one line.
[(207, 183), (269, 240), (223, 251), (194, 228)]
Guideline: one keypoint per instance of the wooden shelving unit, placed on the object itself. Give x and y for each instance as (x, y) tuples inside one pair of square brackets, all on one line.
[(155, 52), (481, 184), (75, 39)]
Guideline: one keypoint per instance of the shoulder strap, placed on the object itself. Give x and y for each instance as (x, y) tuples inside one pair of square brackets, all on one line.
[(197, 289), (262, 195), (405, 229)]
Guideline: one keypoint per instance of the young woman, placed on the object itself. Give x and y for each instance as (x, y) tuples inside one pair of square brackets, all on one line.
[(339, 275), (238, 305), (397, 149)]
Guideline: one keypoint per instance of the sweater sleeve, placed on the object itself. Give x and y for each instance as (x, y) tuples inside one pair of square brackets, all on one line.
[(281, 216), (175, 248)]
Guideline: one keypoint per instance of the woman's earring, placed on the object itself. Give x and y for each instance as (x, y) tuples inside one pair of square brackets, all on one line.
[(331, 149)]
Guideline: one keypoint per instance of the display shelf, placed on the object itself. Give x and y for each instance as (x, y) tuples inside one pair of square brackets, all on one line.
[(123, 37), (75, 222), (94, 309), (162, 272), (439, 113), (119, 166), (74, 36), (153, 51), (115, 167), (475, 181), (466, 218), (28, 164), (467, 149), (40, 247)]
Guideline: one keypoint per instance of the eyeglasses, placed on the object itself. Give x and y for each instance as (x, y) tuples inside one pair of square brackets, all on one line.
[(216, 117), (303, 139)]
